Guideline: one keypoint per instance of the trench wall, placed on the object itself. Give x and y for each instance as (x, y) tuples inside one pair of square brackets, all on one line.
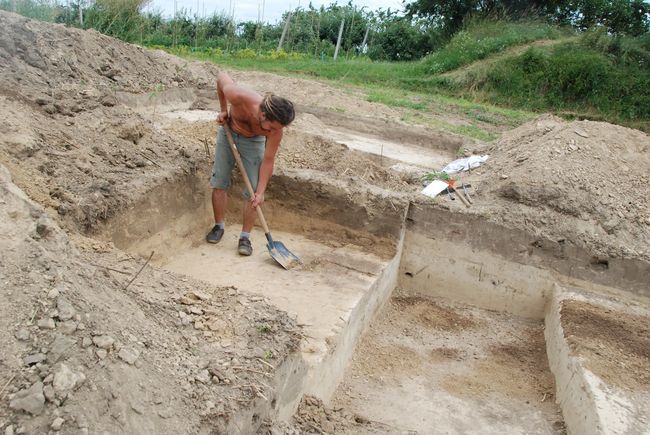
[(465, 258), (433, 252), (176, 215)]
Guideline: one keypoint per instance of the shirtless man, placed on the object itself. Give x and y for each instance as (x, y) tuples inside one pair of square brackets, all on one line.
[(256, 124)]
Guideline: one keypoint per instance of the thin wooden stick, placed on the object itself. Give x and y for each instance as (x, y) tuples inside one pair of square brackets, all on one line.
[(2, 396), (152, 161), (31, 321), (264, 362), (110, 268), (206, 147), (136, 275)]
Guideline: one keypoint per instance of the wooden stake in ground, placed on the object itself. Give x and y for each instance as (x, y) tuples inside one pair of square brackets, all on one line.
[(338, 41), (284, 31)]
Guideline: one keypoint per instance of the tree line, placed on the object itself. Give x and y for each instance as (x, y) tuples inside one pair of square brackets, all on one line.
[(422, 28)]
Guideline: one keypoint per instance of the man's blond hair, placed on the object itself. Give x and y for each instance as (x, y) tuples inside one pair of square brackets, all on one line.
[(278, 109)]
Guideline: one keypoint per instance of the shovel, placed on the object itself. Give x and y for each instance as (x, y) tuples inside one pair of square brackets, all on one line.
[(278, 251)]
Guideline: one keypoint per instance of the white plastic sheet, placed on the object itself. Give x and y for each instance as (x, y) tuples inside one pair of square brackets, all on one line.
[(464, 164), (434, 188)]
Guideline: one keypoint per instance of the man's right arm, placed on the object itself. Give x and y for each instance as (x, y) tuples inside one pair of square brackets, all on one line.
[(223, 82), (224, 93)]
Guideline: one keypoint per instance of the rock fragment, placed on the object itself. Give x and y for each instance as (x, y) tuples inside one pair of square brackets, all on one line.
[(581, 133), (129, 354), (66, 380), (59, 347), (65, 308), (103, 341), (47, 323), (22, 334), (57, 424), (203, 377), (34, 358), (48, 392), (68, 327), (29, 400)]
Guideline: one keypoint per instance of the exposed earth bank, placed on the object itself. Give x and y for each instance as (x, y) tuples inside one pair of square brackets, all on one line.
[(96, 340)]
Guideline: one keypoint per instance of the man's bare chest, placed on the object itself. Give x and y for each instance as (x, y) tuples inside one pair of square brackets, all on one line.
[(245, 124)]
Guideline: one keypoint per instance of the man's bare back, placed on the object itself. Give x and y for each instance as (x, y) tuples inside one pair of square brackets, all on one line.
[(245, 116)]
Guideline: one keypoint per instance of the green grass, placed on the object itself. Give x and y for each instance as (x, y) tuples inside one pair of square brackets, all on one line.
[(375, 96), (594, 76), (573, 80), (422, 103), (354, 71), (435, 175), (483, 38), (383, 82)]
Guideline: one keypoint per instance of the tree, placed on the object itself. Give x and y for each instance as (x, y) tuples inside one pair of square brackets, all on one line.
[(618, 16), (218, 26), (119, 18), (398, 38)]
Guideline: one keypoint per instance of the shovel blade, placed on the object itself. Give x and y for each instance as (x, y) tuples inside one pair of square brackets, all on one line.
[(282, 255)]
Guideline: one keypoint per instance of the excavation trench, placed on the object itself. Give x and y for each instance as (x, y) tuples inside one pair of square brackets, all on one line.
[(415, 317), (455, 307)]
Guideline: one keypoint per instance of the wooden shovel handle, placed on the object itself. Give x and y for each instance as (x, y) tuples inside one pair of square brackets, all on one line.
[(460, 195), (247, 181)]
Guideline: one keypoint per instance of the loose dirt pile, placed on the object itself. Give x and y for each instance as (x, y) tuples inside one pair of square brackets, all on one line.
[(66, 140), (189, 358), (302, 149), (313, 417), (585, 183), (94, 340)]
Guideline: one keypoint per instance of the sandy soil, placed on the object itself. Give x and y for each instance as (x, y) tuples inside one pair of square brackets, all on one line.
[(614, 344), (82, 141), (427, 364)]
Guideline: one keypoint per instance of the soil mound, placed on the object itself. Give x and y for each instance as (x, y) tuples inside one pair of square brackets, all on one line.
[(66, 139), (177, 365), (39, 57), (580, 182)]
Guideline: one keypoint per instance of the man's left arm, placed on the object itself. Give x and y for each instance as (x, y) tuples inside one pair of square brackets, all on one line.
[(266, 168)]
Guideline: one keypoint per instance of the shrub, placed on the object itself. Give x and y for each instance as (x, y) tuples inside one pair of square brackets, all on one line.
[(482, 38), (215, 52), (570, 77), (246, 53), (278, 54)]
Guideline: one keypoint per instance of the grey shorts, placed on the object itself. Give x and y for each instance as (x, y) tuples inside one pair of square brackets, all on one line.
[(251, 150)]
